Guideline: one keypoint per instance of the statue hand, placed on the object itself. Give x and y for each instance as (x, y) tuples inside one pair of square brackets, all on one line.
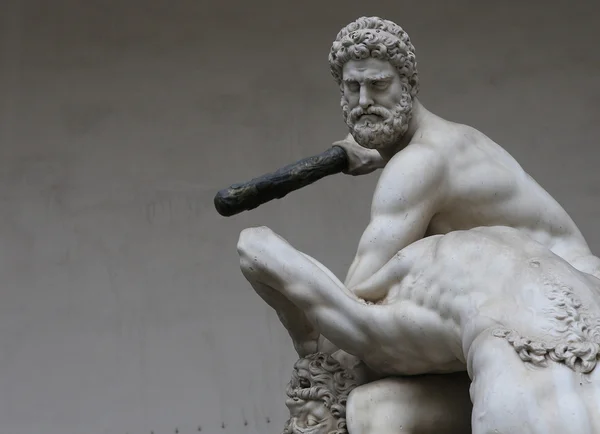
[(361, 160)]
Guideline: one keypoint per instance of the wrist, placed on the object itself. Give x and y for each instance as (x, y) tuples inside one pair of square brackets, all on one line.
[(378, 162)]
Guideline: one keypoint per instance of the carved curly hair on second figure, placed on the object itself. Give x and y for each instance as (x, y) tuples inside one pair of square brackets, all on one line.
[(576, 336), (317, 395)]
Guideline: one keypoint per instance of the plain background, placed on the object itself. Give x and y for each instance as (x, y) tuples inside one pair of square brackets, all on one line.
[(122, 307)]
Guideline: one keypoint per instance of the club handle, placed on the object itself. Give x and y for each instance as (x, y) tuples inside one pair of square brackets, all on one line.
[(249, 195)]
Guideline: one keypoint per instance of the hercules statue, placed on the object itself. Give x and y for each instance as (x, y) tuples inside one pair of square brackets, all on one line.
[(473, 301)]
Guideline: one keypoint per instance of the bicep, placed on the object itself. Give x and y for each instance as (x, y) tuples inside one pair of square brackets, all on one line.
[(388, 233), (407, 197), (384, 237)]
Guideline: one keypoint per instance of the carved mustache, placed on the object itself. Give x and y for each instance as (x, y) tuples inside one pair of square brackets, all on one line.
[(356, 113)]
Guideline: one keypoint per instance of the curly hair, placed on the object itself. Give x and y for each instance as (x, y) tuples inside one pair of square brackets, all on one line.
[(378, 38), (576, 342), (327, 381)]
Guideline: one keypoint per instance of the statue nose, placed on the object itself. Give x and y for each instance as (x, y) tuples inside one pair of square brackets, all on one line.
[(293, 403), (365, 100)]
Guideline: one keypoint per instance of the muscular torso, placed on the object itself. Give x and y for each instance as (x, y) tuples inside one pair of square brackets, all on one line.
[(485, 186), (471, 182), (444, 291)]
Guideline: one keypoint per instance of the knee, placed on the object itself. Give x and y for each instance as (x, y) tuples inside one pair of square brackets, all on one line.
[(252, 244), (251, 239)]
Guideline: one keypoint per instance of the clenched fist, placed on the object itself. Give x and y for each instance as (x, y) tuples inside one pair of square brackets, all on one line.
[(361, 160)]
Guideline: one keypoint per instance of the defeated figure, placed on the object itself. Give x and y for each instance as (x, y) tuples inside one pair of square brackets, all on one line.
[(523, 322), (329, 393)]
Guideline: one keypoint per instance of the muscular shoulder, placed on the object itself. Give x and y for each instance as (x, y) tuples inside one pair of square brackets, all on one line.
[(415, 174), (417, 156), (475, 164)]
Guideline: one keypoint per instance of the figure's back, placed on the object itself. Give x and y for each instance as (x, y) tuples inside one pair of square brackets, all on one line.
[(520, 289), (487, 187), (468, 283), (535, 367)]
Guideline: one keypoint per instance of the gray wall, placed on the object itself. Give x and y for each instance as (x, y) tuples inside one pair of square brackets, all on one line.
[(122, 308)]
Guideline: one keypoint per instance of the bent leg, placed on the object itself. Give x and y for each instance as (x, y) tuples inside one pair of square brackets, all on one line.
[(303, 333), (424, 404), (305, 337), (268, 260)]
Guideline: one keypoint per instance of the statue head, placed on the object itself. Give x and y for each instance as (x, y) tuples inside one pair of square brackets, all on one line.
[(317, 395), (373, 62)]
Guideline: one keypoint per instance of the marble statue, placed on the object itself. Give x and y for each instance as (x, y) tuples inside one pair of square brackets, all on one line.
[(326, 389), (353, 396), (491, 301), (318, 393), (469, 275)]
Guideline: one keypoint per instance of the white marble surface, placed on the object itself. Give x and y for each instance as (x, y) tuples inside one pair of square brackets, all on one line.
[(467, 264), (122, 308), (491, 301)]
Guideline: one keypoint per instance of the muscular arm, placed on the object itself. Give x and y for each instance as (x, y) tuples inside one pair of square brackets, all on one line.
[(407, 196)]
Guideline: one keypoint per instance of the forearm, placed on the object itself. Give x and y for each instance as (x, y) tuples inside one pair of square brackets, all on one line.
[(363, 267), (382, 240), (357, 272)]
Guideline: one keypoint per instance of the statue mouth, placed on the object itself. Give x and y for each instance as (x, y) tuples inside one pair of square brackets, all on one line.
[(369, 118)]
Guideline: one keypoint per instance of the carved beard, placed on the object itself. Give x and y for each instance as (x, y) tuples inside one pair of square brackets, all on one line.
[(381, 133)]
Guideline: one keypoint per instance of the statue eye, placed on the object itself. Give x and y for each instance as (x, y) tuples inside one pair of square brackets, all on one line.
[(379, 84), (352, 86), (304, 383)]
